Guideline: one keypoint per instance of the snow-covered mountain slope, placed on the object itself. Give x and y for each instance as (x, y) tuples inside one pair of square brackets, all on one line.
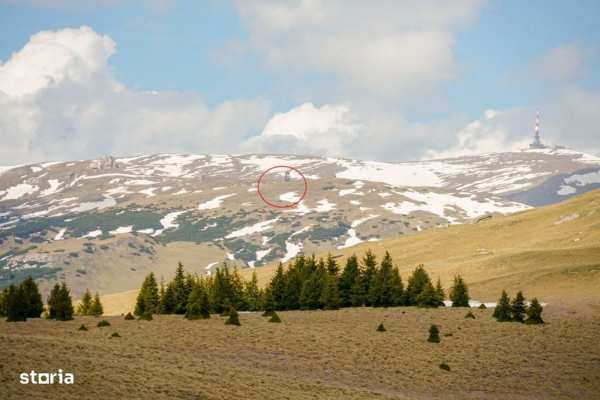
[(72, 219)]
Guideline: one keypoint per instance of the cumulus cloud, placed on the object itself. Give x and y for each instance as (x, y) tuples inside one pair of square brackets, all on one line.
[(326, 130), (496, 131), (60, 100), (392, 47)]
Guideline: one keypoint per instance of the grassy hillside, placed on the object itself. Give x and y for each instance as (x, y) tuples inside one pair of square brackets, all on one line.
[(551, 252)]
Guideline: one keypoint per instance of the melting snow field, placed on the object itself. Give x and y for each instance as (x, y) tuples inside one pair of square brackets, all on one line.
[(60, 234), (214, 203), (249, 230), (94, 234), (88, 206), (122, 229), (393, 174), (168, 221), (324, 206), (54, 185), (18, 191), (439, 204), (292, 250)]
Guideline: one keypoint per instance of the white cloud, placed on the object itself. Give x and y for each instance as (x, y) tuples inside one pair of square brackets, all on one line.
[(326, 130), (561, 63), (384, 48), (50, 58), (496, 131), (60, 100)]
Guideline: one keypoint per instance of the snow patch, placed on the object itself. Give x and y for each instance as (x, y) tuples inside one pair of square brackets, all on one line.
[(122, 229), (214, 203), (18, 191), (249, 230), (60, 234)]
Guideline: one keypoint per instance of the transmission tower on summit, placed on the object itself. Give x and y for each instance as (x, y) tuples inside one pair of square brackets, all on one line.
[(537, 143)]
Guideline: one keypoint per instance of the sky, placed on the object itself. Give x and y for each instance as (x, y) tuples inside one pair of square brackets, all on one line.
[(381, 80)]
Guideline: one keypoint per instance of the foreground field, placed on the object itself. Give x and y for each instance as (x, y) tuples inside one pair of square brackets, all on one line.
[(311, 355)]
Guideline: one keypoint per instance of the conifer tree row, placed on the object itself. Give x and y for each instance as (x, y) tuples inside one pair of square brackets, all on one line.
[(306, 283), (516, 310)]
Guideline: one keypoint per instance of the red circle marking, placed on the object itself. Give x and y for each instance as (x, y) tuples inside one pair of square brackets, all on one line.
[(277, 205)]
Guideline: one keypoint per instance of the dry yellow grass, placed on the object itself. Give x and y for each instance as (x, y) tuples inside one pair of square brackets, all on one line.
[(311, 355)]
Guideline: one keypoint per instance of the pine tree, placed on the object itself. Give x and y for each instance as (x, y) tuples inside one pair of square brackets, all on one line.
[(129, 317), (84, 305), (238, 298), (293, 284), (330, 296), (277, 287), (427, 297), (398, 297), (60, 303), (534, 312), (252, 293), (197, 304), (518, 308), (234, 318), (32, 298), (147, 299), (439, 294), (15, 304), (370, 268), (459, 294), (417, 282), (268, 304), (382, 292), (502, 312), (312, 289), (434, 334), (53, 301), (168, 301), (380, 328), (96, 308), (349, 276), (357, 292), (332, 266), (181, 290)]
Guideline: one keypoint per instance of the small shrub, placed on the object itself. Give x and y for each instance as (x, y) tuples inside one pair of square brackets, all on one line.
[(129, 317), (445, 367), (234, 318), (103, 323), (275, 318), (448, 334), (115, 334), (470, 315), (434, 334), (381, 328), (82, 327), (482, 306)]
